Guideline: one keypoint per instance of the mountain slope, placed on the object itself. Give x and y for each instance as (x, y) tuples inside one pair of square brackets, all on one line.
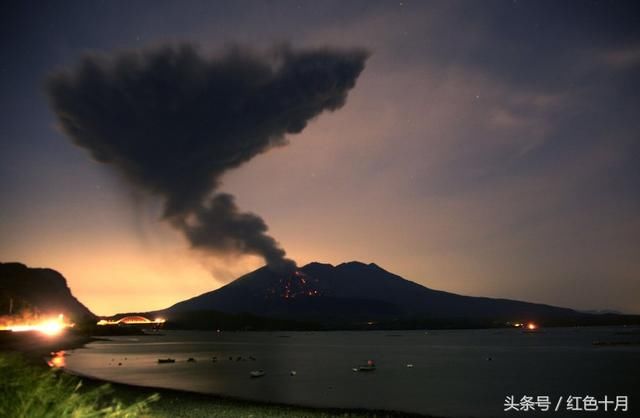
[(25, 290), (355, 292)]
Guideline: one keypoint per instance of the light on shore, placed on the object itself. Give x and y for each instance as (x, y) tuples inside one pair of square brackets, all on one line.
[(50, 327)]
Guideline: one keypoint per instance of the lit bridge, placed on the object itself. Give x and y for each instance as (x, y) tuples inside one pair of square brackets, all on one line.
[(132, 320)]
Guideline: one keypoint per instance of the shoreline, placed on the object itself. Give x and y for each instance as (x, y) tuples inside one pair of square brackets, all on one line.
[(34, 345), (183, 403), (35, 348)]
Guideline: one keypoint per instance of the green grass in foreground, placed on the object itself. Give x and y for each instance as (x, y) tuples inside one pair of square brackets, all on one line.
[(30, 391)]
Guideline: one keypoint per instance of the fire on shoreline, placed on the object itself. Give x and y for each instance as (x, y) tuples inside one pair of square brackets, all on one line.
[(49, 326)]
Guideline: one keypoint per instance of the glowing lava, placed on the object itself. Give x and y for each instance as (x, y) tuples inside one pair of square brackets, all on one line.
[(297, 285)]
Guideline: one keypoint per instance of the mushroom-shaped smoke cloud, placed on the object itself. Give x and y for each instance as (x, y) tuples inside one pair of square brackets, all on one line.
[(172, 121)]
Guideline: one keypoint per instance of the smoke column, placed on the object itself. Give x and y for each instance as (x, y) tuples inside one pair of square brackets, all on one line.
[(172, 121)]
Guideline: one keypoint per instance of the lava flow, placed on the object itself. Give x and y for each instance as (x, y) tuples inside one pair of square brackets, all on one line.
[(298, 285)]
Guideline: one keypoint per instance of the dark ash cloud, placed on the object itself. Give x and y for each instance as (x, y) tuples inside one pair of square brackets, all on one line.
[(173, 121)]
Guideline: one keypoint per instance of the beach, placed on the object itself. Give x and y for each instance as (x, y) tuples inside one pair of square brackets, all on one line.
[(174, 403)]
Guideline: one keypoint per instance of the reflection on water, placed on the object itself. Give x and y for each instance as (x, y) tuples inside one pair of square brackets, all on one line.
[(57, 359), (451, 373)]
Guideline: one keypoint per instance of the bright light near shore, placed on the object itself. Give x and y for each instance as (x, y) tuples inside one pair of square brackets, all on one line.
[(50, 327), (531, 326)]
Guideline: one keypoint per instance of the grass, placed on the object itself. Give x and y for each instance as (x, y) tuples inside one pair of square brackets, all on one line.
[(28, 390)]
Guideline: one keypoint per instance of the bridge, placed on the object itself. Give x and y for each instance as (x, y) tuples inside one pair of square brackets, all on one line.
[(132, 320)]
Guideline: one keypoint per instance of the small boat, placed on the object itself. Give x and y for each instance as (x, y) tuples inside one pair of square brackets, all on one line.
[(191, 360), (410, 366), (293, 373), (369, 367), (257, 373), (166, 360)]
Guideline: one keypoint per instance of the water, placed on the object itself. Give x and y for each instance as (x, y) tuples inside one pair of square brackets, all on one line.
[(451, 373)]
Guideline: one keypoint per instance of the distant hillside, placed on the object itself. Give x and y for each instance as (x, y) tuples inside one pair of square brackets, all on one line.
[(353, 294), (38, 290), (214, 320)]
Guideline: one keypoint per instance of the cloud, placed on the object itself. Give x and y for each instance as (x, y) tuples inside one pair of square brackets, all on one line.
[(173, 121), (622, 58)]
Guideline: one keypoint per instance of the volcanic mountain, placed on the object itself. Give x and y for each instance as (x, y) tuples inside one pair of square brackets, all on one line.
[(354, 293)]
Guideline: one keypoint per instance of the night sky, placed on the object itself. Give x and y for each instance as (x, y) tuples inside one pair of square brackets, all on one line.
[(487, 148)]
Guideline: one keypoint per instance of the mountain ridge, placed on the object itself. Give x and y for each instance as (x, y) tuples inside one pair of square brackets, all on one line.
[(32, 291), (355, 291)]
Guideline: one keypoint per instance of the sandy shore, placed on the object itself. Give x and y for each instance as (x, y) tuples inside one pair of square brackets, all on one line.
[(175, 403)]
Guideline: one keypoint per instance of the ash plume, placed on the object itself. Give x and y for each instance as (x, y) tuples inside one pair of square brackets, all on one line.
[(172, 121)]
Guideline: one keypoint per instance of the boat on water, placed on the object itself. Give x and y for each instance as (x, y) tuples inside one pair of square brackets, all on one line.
[(166, 360), (257, 373), (369, 367)]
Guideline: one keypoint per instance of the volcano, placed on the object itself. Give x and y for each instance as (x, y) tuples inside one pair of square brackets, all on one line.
[(356, 294)]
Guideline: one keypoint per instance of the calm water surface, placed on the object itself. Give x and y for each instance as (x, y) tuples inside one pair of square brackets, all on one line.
[(451, 373)]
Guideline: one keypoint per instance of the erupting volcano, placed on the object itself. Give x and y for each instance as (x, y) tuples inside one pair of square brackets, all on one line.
[(211, 114), (353, 293), (298, 284)]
